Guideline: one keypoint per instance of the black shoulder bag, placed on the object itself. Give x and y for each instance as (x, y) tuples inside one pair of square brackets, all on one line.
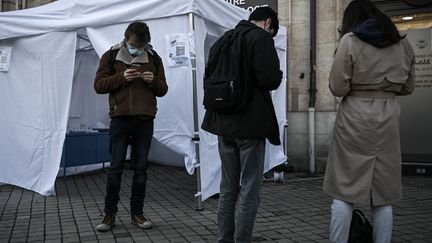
[(360, 229)]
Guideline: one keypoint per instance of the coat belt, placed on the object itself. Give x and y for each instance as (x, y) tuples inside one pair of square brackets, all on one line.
[(372, 93)]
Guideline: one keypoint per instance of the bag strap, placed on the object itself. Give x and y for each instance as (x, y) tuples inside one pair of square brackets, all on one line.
[(361, 214), (112, 59), (157, 59), (230, 35)]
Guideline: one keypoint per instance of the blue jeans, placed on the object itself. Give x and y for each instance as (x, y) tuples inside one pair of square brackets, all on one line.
[(242, 164), (341, 216), (127, 130)]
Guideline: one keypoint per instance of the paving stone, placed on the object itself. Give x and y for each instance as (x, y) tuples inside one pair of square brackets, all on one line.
[(293, 211), (53, 241)]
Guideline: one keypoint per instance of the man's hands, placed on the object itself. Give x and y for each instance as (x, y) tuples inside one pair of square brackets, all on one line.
[(147, 76), (131, 74)]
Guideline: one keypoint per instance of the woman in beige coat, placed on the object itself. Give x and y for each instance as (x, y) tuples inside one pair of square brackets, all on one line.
[(373, 63)]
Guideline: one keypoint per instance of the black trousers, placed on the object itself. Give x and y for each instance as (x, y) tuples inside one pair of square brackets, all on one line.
[(138, 132)]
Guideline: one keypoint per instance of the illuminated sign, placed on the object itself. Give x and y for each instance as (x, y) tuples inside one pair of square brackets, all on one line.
[(253, 4)]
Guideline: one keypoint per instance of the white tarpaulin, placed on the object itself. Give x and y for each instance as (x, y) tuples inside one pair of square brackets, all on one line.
[(48, 87)]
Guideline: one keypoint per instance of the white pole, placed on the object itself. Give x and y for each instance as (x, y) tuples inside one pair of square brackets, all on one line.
[(311, 139), (312, 89), (23, 4), (286, 138), (196, 137)]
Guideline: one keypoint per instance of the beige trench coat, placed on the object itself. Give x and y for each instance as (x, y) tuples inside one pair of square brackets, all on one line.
[(364, 161)]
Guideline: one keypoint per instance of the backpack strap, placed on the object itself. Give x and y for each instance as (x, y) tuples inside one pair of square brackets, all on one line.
[(157, 58), (228, 36), (112, 59)]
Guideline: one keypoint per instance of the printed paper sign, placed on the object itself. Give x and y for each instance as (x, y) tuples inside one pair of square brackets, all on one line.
[(5, 56), (421, 41), (178, 50)]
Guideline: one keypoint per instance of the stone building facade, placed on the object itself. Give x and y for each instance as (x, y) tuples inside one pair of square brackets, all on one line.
[(295, 15), (10, 5)]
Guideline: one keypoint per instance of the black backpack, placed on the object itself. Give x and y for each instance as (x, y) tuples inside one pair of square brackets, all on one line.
[(360, 229), (226, 87)]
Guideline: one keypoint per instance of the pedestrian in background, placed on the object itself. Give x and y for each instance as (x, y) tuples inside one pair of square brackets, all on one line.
[(373, 64), (242, 135), (133, 75)]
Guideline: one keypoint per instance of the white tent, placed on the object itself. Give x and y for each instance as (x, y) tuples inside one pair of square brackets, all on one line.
[(48, 87)]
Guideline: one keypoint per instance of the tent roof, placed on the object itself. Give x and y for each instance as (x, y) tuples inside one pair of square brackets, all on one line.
[(64, 15)]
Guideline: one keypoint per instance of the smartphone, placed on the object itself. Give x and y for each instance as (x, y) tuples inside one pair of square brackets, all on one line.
[(135, 66)]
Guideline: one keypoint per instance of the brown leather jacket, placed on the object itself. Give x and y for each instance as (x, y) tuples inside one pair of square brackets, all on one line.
[(135, 97)]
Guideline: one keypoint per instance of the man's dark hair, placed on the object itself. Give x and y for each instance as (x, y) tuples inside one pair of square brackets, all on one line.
[(140, 29), (358, 11), (264, 13)]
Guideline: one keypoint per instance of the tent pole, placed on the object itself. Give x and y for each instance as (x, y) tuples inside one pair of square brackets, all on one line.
[(196, 137)]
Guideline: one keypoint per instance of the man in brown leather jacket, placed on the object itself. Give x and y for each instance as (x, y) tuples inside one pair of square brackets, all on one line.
[(133, 75)]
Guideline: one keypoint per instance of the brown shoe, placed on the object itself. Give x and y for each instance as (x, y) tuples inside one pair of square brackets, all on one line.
[(141, 221), (107, 223)]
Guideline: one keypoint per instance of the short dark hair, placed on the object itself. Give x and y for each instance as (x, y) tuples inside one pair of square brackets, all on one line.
[(140, 29), (358, 11), (264, 13)]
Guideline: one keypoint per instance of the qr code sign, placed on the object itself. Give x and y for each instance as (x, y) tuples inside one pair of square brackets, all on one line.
[(5, 56), (180, 50), (3, 59)]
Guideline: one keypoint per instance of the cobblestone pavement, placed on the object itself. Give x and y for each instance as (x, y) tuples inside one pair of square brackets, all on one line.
[(294, 211)]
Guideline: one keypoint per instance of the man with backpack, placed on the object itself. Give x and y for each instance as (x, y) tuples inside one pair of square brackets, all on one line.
[(240, 111), (133, 75)]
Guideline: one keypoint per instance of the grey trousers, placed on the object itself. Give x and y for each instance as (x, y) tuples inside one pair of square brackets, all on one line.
[(242, 164)]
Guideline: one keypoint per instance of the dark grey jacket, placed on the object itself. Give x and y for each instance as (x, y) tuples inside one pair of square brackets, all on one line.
[(258, 120)]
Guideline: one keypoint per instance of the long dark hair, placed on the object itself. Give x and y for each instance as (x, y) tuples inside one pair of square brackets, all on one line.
[(358, 11)]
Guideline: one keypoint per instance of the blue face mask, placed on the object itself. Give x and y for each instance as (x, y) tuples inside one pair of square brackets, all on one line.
[(133, 51)]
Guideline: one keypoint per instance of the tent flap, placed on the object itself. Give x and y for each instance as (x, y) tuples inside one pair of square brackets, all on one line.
[(35, 96)]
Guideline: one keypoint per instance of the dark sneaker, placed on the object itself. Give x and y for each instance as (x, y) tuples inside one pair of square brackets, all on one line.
[(107, 223), (141, 221)]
